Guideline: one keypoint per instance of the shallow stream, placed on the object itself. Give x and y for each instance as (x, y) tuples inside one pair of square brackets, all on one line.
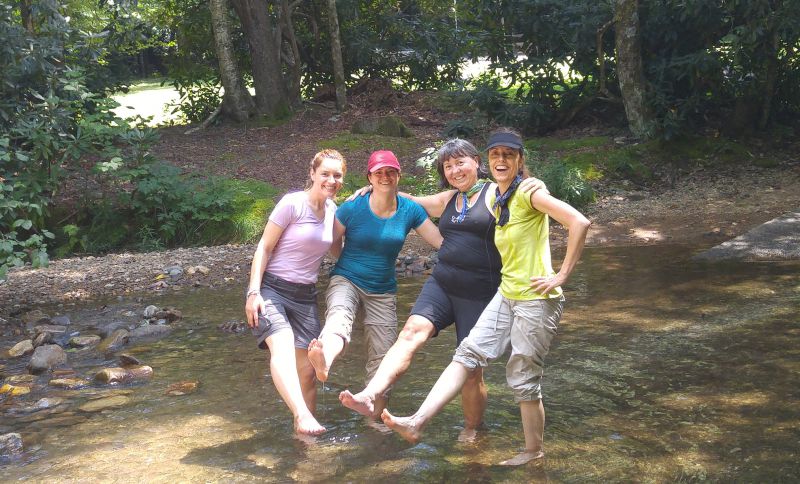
[(664, 370)]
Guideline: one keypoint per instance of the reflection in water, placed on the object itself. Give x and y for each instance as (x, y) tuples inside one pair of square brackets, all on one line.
[(664, 370)]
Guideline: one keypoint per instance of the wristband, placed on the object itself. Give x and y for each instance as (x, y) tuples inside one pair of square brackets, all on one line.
[(253, 292)]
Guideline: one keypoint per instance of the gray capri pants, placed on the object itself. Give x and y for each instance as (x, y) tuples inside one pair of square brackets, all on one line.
[(527, 327)]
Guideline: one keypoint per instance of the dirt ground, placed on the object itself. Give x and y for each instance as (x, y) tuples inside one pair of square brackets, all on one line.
[(700, 208)]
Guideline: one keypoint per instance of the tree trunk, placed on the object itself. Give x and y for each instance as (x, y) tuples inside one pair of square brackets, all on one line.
[(26, 15), (264, 40), (237, 103), (771, 76), (630, 72), (336, 56), (292, 58)]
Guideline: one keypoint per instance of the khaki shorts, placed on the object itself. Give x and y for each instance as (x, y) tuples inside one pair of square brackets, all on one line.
[(344, 299), (527, 327)]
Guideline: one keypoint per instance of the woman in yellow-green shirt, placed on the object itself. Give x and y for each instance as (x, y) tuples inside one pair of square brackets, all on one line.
[(525, 312)]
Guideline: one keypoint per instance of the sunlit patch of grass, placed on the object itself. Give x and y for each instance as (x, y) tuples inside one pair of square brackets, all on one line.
[(348, 143)]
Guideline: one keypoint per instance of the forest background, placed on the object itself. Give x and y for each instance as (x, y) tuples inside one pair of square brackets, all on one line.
[(667, 85)]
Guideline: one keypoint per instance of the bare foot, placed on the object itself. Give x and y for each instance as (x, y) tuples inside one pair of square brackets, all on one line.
[(360, 402), (405, 426), (317, 359), (523, 458), (467, 436), (308, 425)]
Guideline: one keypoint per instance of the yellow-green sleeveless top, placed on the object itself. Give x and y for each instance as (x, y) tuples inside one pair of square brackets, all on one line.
[(524, 246)]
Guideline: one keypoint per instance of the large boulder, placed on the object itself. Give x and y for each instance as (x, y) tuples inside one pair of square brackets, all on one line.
[(46, 358), (385, 125)]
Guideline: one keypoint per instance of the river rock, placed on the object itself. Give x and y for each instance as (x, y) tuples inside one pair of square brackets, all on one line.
[(14, 390), (115, 341), (10, 444), (61, 320), (150, 331), (46, 358), (126, 360), (104, 403), (124, 375), (69, 383), (42, 404), (42, 339), (17, 379), (108, 329), (170, 314), (149, 311), (182, 388), (22, 348), (83, 341), (49, 328)]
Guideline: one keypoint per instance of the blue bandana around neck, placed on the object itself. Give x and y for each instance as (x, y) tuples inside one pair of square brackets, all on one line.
[(502, 201), (465, 199)]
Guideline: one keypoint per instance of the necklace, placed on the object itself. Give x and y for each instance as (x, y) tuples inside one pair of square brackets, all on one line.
[(465, 199)]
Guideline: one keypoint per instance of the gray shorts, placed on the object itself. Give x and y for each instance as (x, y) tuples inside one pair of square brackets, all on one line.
[(289, 306), (527, 327), (443, 309), (343, 300)]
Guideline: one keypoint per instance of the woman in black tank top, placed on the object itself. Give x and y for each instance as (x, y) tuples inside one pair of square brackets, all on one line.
[(463, 282)]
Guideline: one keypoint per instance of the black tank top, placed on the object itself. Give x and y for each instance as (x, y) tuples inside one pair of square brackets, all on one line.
[(469, 264)]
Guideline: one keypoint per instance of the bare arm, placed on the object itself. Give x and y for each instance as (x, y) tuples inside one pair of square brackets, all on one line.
[(433, 204), (338, 239), (430, 233), (255, 304), (577, 226)]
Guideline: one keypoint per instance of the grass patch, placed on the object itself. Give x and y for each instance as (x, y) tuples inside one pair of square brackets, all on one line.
[(252, 202), (149, 85), (349, 144)]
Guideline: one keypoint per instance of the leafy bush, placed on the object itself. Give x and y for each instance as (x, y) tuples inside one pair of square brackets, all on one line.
[(564, 182)]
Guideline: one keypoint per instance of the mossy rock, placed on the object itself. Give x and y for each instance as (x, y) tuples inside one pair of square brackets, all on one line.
[(385, 125)]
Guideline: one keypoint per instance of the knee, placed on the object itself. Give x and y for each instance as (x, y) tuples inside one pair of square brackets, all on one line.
[(416, 330), (305, 372), (474, 376)]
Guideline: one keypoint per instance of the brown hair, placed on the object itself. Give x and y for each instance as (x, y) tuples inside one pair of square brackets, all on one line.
[(320, 157), (457, 148), (523, 169)]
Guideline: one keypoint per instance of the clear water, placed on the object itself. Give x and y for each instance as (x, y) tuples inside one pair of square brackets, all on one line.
[(665, 370)]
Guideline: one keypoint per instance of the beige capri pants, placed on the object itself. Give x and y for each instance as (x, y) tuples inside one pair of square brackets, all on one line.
[(528, 327), (343, 299)]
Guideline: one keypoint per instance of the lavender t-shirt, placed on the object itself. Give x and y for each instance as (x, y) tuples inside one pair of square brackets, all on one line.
[(305, 239)]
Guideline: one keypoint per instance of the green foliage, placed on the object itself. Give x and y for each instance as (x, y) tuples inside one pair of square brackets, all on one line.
[(198, 98), (564, 144), (564, 182), (460, 128)]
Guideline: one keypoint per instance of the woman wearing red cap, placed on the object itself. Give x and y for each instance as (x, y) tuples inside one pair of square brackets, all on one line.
[(374, 229), (525, 312)]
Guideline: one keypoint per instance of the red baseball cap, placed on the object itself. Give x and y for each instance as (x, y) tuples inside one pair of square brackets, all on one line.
[(382, 158)]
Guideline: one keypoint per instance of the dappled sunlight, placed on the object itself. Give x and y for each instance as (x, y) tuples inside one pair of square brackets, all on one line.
[(647, 235)]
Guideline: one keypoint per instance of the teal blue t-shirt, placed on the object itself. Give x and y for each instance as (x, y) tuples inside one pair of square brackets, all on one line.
[(371, 243)]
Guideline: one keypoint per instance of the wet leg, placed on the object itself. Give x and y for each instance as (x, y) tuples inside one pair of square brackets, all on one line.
[(533, 426), (473, 401), (369, 401), (446, 388), (283, 368)]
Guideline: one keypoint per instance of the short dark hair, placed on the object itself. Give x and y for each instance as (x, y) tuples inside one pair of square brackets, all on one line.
[(457, 148)]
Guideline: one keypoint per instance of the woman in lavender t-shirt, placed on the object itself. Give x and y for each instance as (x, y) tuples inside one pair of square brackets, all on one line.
[(281, 302)]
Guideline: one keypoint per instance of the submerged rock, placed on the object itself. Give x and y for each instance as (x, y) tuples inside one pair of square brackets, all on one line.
[(83, 341), (14, 390), (182, 388), (114, 341), (149, 311), (108, 329), (150, 331), (42, 339), (104, 403), (128, 360), (17, 379), (124, 375), (21, 349), (170, 314), (61, 320), (69, 383), (10, 444), (46, 358), (49, 328)]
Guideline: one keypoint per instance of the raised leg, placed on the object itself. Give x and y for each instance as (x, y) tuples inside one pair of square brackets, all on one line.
[(322, 352), (283, 368), (444, 390), (415, 333)]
